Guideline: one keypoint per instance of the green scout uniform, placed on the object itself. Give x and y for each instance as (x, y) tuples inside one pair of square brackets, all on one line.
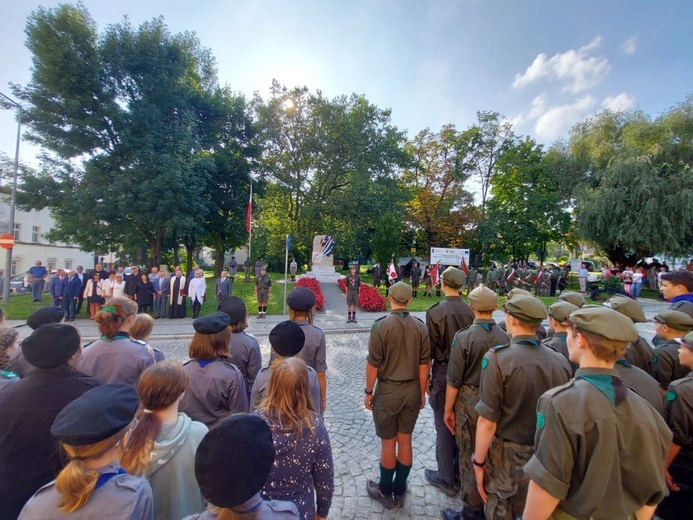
[(679, 417), (640, 354), (398, 345), (559, 343), (492, 279), (507, 399), (415, 277), (353, 284), (641, 383), (464, 373), (600, 448), (471, 280), (666, 366), (263, 284)]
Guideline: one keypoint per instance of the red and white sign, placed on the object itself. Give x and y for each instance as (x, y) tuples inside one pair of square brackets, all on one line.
[(7, 241)]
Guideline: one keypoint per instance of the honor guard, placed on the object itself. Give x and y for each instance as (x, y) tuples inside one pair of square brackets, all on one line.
[(263, 290), (353, 286), (415, 278)]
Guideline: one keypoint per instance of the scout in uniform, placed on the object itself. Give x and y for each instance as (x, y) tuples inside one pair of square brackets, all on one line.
[(293, 268), (464, 373), (216, 388), (353, 286), (677, 288), (93, 429), (573, 297), (541, 331), (232, 464), (246, 270), (263, 289), (398, 358), (638, 353), (287, 340), (244, 348), (507, 407), (443, 320), (428, 283), (415, 277), (470, 282), (377, 275), (600, 448), (492, 278), (670, 326), (558, 312), (679, 463)]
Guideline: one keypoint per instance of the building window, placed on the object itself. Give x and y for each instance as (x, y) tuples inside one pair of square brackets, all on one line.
[(15, 266), (35, 231), (68, 264), (51, 264), (17, 227)]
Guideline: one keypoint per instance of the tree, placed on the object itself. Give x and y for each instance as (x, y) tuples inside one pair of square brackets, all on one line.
[(386, 238), (119, 117)]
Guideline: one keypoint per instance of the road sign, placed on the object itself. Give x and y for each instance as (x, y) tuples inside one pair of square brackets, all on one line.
[(7, 241)]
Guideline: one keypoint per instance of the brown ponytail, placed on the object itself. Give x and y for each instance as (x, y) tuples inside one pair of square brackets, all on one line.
[(113, 314), (159, 387)]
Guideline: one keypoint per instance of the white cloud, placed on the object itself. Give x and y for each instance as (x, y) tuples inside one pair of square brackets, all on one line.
[(629, 46), (577, 69), (619, 103), (559, 118), (538, 106)]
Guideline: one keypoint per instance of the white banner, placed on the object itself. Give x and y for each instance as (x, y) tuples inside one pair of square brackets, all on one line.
[(449, 256)]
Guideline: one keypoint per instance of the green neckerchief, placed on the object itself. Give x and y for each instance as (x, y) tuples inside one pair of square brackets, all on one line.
[(8, 374), (485, 323), (118, 335), (526, 340), (624, 362), (401, 313), (611, 386)]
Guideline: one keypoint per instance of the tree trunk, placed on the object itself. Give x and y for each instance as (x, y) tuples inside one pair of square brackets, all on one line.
[(219, 257)]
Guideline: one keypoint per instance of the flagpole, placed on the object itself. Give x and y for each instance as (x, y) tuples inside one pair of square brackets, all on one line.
[(286, 271), (249, 218)]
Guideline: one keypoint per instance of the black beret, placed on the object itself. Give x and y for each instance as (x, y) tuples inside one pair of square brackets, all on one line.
[(234, 459), (51, 345), (96, 415), (234, 307), (287, 339), (50, 314), (301, 299), (212, 323)]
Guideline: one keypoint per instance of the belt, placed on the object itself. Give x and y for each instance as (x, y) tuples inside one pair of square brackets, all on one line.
[(381, 380)]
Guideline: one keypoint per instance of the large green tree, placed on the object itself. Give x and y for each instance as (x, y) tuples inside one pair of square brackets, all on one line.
[(119, 115)]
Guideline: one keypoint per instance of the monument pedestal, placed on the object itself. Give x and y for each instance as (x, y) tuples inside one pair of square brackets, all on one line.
[(323, 273)]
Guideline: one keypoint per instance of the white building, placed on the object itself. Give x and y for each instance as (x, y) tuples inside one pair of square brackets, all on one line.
[(31, 245)]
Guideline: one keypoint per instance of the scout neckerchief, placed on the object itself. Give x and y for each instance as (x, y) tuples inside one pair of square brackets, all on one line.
[(611, 386), (105, 477)]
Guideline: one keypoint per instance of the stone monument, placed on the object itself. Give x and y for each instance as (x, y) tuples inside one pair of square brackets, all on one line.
[(322, 261)]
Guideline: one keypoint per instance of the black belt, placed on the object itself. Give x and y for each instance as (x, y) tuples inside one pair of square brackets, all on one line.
[(381, 380)]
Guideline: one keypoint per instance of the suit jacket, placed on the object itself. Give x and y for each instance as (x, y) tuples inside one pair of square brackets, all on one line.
[(163, 285), (73, 288), (83, 281), (57, 285), (223, 287), (130, 283)]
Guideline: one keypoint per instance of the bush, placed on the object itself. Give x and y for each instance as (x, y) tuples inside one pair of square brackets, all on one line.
[(313, 285), (370, 299)]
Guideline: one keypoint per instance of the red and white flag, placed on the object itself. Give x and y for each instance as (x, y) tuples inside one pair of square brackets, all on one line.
[(249, 214), (435, 274), (391, 271), (463, 267)]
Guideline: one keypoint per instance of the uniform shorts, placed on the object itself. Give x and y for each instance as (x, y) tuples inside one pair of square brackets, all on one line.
[(352, 298), (396, 408), (262, 296)]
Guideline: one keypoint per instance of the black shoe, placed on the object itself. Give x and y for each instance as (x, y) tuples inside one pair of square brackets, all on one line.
[(433, 477), (399, 497), (449, 514), (353, 320), (373, 490)]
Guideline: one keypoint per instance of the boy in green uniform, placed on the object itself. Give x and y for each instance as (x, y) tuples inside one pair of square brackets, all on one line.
[(638, 353), (513, 377), (353, 286), (398, 357), (263, 288), (462, 393), (600, 448), (670, 326), (558, 312), (679, 417)]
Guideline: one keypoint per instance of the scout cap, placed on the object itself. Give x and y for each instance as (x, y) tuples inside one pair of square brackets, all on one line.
[(234, 307), (212, 323), (96, 415), (287, 338), (573, 297), (675, 319), (526, 308), (234, 460), (687, 340), (605, 322), (50, 314), (517, 292), (51, 345), (301, 299), (559, 311), (453, 277), (400, 292), (483, 299), (627, 307)]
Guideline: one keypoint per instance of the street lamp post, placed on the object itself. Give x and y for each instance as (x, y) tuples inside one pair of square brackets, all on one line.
[(7, 102)]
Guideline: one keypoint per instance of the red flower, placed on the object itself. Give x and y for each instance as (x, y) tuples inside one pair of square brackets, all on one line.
[(313, 285), (370, 299)]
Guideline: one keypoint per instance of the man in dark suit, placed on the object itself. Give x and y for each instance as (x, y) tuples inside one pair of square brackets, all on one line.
[(131, 280), (162, 285), (71, 295), (83, 279), (56, 287), (223, 287)]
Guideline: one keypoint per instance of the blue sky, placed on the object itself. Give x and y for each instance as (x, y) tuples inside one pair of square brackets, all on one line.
[(543, 64)]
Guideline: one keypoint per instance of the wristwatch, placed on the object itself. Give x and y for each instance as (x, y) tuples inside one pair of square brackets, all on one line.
[(367, 392), (478, 464)]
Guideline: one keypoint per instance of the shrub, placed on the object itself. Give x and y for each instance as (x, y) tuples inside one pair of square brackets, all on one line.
[(313, 285)]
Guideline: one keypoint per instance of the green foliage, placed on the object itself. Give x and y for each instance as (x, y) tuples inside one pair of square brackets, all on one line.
[(386, 238)]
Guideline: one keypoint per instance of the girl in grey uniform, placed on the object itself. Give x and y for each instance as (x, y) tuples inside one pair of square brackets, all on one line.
[(116, 358), (93, 429), (216, 387)]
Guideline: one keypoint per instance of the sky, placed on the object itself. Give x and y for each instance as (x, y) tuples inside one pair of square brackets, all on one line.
[(544, 64)]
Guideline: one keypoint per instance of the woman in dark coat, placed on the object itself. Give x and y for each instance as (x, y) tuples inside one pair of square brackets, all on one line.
[(144, 293)]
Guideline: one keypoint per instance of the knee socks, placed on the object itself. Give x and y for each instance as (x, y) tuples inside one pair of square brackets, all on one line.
[(399, 486), (386, 476)]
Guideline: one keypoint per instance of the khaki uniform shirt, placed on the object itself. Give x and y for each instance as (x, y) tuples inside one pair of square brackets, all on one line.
[(641, 383), (600, 459), (469, 346), (558, 342), (398, 344), (679, 416), (666, 366), (119, 361), (246, 356), (314, 351), (640, 354), (263, 282), (513, 377), (443, 320)]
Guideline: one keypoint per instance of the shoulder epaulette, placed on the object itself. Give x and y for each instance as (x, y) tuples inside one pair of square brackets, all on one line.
[(560, 388), (435, 305), (139, 342), (229, 364), (85, 346), (499, 347), (188, 361), (422, 321), (128, 482), (376, 321)]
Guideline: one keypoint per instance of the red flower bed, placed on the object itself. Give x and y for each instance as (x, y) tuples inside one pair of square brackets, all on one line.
[(370, 299), (313, 285)]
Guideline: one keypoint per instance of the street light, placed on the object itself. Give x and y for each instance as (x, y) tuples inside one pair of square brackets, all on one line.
[(8, 103)]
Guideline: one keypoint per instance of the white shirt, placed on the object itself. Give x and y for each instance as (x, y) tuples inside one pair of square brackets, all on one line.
[(197, 289), (118, 289)]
